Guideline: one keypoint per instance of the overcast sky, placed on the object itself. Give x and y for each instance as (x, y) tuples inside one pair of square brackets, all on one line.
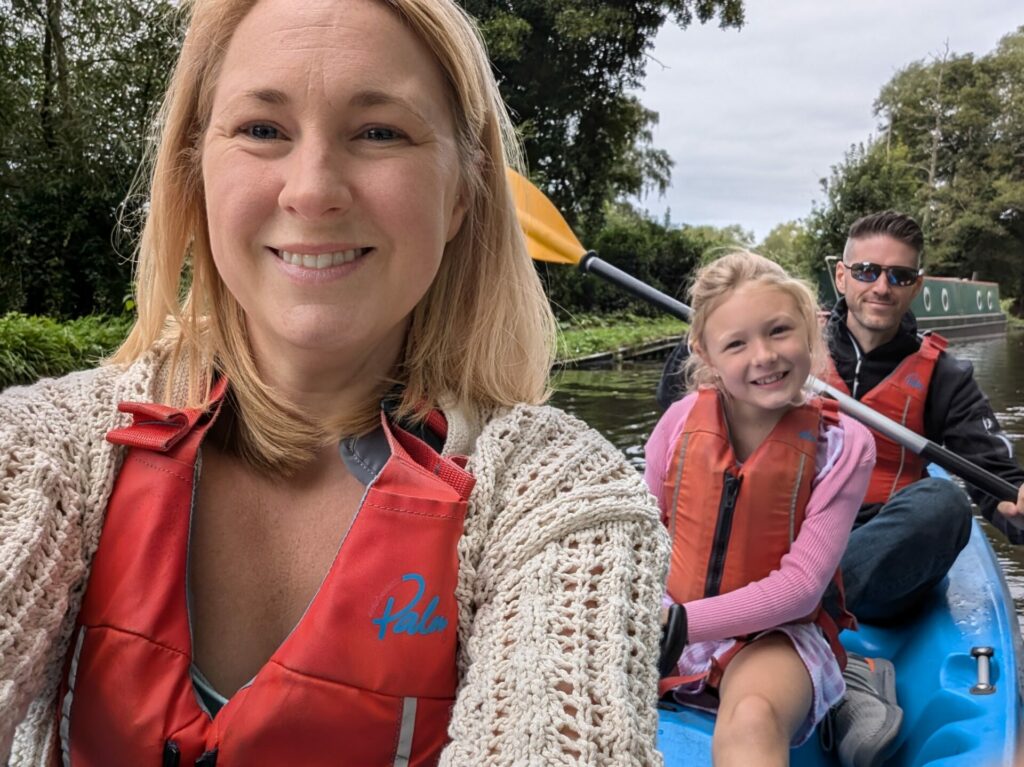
[(754, 118)]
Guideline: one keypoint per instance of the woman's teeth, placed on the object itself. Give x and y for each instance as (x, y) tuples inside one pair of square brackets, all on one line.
[(321, 260)]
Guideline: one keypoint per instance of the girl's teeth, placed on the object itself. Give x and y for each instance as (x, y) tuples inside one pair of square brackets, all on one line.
[(771, 379), (322, 260)]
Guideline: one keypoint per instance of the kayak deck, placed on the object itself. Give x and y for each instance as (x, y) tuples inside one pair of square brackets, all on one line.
[(944, 723)]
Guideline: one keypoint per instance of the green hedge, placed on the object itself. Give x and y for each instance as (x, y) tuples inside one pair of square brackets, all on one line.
[(37, 347)]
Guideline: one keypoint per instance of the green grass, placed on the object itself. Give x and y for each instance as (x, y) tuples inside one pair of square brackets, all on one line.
[(594, 334), (37, 347)]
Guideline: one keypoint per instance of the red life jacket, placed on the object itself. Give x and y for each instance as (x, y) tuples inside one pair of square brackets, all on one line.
[(901, 397), (758, 508), (367, 676)]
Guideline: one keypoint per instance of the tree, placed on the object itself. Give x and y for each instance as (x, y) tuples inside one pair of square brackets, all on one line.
[(79, 80), (789, 244), (951, 153), (872, 177), (567, 69)]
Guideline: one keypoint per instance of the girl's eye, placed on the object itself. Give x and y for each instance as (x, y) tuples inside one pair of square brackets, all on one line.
[(780, 329), (261, 132), (733, 345), (381, 134)]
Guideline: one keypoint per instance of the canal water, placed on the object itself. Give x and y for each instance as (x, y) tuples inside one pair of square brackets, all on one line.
[(620, 404)]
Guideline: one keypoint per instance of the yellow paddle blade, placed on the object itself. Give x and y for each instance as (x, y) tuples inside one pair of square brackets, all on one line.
[(548, 236)]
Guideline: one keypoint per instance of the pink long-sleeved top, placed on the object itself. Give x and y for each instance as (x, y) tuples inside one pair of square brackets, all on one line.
[(846, 456)]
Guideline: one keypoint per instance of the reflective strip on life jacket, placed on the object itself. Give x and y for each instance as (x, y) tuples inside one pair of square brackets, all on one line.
[(901, 396), (367, 676)]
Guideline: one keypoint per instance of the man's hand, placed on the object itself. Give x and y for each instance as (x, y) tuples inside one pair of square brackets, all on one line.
[(1011, 509)]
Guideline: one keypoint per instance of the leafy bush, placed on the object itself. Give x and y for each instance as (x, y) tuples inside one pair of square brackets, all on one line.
[(37, 347)]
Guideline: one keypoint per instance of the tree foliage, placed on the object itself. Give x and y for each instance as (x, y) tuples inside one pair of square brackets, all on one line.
[(951, 153), (660, 255), (78, 82), (567, 69)]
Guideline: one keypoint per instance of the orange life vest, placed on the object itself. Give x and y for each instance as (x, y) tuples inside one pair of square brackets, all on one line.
[(367, 677), (901, 397), (731, 524)]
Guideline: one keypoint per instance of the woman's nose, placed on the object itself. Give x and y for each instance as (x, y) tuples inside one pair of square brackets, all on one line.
[(315, 183)]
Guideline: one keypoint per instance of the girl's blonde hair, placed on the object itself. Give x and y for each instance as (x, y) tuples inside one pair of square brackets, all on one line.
[(482, 336), (714, 283)]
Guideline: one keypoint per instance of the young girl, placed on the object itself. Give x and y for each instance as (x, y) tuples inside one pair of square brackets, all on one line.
[(758, 485)]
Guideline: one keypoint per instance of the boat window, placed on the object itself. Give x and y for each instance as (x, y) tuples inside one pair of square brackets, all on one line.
[(927, 298), (979, 301), (945, 300)]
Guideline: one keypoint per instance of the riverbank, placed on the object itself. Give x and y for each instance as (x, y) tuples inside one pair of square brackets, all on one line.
[(587, 336)]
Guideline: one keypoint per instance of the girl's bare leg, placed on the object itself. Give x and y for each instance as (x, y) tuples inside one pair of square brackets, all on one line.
[(765, 695)]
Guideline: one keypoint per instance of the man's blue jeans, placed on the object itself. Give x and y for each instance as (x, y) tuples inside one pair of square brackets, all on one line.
[(900, 554)]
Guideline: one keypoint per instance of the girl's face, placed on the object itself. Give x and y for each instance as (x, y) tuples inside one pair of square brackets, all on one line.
[(756, 341), (331, 177)]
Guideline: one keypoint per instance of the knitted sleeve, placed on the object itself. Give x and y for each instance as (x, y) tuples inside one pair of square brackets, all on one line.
[(561, 572), (55, 476)]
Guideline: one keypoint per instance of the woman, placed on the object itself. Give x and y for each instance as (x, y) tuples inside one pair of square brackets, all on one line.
[(337, 527)]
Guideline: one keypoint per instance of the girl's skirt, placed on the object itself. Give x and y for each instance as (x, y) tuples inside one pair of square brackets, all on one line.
[(810, 645)]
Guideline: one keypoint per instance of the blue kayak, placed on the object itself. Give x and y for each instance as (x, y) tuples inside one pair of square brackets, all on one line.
[(945, 722)]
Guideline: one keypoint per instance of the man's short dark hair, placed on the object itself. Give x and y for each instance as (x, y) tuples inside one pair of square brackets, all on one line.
[(888, 223)]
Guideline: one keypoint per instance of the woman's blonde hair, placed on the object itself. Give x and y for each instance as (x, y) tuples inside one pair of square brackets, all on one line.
[(482, 336), (714, 283)]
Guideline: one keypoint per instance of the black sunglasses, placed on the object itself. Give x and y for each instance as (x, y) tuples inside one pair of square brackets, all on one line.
[(897, 276)]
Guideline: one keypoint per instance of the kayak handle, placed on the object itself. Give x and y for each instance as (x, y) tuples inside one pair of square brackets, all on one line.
[(984, 657)]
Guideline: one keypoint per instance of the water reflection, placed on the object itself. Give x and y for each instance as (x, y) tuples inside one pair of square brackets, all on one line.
[(620, 404)]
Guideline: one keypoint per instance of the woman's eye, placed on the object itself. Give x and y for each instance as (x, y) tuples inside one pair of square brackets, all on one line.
[(381, 134), (261, 132)]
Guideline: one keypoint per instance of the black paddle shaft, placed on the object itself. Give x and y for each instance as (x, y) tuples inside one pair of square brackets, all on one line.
[(591, 264)]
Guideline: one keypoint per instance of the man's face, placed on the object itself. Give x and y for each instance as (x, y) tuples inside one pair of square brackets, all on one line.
[(875, 308)]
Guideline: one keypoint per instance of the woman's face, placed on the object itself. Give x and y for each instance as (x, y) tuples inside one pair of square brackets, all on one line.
[(331, 178)]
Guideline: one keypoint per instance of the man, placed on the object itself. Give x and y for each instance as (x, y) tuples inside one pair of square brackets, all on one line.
[(910, 530)]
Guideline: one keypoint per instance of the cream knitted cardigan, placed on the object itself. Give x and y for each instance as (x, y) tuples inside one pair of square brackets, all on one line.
[(561, 569)]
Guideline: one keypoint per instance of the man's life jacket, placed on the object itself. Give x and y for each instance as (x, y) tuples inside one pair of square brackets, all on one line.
[(366, 677), (901, 397), (731, 524)]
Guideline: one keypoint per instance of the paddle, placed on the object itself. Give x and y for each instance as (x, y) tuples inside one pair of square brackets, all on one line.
[(549, 238)]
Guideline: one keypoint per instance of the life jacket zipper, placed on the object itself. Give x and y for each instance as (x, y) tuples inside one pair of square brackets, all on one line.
[(723, 531)]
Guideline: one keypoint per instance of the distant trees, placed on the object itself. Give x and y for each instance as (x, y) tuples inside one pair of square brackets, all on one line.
[(659, 254), (950, 152), (79, 80)]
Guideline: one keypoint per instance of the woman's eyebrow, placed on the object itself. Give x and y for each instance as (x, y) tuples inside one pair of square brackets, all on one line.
[(268, 96), (364, 98)]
